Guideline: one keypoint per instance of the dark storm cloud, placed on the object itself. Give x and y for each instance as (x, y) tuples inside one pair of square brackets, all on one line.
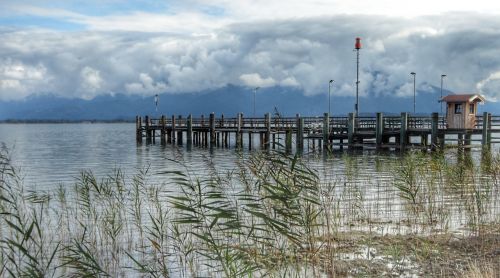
[(303, 53)]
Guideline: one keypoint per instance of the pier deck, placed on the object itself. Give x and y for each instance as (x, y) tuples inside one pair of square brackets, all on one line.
[(393, 132)]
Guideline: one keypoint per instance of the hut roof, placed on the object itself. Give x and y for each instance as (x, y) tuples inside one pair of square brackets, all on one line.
[(463, 98)]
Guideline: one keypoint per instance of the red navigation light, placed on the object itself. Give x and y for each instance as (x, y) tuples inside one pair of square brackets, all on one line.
[(358, 43)]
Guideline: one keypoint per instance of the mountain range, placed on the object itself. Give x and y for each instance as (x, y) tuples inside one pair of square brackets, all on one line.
[(228, 100)]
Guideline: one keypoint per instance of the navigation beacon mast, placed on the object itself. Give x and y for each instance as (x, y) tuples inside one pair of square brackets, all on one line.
[(357, 46)]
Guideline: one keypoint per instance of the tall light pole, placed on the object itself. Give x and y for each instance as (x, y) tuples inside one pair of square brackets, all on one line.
[(441, 99), (357, 47), (329, 88), (254, 94), (414, 99)]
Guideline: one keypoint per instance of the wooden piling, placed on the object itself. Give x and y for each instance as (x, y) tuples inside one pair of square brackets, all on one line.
[(288, 140), (179, 131), (173, 130), (239, 123), (250, 143), (148, 131), (267, 137), (434, 131), (403, 133), (350, 130), (299, 137), (379, 130), (138, 128), (163, 130), (326, 130), (212, 129), (189, 130)]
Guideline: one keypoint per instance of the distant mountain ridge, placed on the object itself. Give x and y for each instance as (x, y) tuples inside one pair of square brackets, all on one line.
[(229, 100)]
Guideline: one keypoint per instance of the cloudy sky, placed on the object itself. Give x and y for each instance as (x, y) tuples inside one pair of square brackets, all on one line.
[(86, 48)]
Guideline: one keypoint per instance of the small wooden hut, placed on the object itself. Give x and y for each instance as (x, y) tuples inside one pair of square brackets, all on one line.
[(461, 110)]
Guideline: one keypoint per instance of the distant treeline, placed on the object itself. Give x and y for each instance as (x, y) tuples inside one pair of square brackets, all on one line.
[(63, 121)]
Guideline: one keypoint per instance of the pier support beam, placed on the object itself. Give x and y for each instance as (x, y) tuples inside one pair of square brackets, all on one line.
[(434, 131), (179, 131), (172, 137), (486, 132), (288, 140), (403, 134), (148, 131), (163, 129), (350, 130), (138, 129), (300, 133), (189, 131), (379, 130), (326, 130), (239, 137), (212, 129), (267, 137)]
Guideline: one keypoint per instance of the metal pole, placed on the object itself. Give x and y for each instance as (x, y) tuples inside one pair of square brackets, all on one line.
[(414, 97), (329, 87), (357, 82), (441, 100), (254, 93)]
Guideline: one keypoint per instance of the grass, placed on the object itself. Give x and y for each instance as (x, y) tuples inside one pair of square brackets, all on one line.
[(272, 215)]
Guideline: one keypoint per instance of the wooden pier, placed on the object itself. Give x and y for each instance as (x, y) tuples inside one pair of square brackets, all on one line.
[(325, 132)]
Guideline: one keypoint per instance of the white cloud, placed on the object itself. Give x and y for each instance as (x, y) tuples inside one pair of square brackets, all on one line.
[(146, 86), (303, 53), (91, 82), (490, 86), (18, 80), (255, 80)]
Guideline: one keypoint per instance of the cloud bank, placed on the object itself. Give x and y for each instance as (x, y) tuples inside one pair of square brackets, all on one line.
[(303, 53)]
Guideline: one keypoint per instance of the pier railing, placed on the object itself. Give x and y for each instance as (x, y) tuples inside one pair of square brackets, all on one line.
[(335, 122)]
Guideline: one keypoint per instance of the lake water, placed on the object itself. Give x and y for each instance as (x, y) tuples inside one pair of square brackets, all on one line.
[(50, 154), (357, 190)]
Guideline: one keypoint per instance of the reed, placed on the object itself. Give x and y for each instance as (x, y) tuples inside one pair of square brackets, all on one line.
[(272, 215)]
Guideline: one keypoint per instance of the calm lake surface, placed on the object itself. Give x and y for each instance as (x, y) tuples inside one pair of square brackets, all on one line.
[(51, 154)]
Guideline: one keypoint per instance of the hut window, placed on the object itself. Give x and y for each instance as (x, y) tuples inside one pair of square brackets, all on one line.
[(471, 108), (458, 108)]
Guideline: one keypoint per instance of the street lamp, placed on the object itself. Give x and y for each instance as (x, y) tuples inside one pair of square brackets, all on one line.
[(441, 100), (254, 93), (329, 88), (414, 105)]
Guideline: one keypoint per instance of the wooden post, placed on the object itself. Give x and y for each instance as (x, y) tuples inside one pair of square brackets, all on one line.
[(288, 140), (239, 122), (350, 130), (179, 131), (189, 130), (250, 137), (489, 130), (274, 141), (326, 130), (173, 130), (403, 131), (379, 130), (267, 137), (138, 128), (212, 129), (434, 131), (484, 137), (163, 129), (148, 133), (299, 140)]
